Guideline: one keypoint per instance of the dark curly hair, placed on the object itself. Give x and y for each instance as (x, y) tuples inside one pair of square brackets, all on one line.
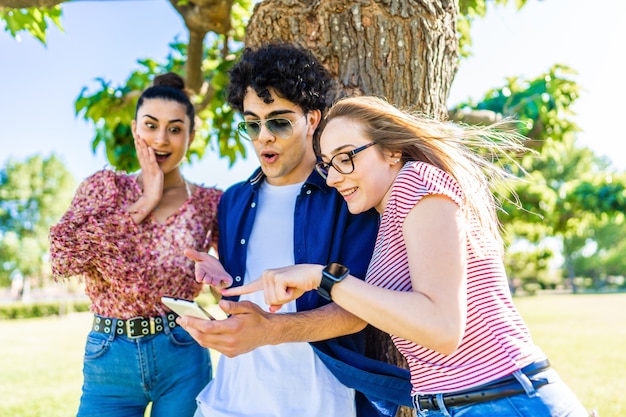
[(290, 70), (169, 86)]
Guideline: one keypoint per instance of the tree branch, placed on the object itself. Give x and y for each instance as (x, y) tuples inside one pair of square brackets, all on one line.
[(23, 4), (193, 67), (202, 16), (474, 117)]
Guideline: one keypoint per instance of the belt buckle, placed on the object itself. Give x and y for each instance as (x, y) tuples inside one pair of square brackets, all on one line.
[(131, 329), (427, 402)]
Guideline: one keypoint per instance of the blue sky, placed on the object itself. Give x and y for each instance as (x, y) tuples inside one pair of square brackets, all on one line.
[(38, 84)]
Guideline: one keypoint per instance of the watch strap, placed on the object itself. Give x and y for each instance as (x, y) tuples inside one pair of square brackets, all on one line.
[(325, 286)]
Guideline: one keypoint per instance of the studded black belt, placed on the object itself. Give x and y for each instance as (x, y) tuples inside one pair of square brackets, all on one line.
[(503, 387), (135, 327)]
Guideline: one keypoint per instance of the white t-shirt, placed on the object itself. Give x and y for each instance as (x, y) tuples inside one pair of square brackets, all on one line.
[(283, 380)]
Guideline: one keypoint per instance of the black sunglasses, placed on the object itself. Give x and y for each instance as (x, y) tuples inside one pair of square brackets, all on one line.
[(343, 162), (279, 127)]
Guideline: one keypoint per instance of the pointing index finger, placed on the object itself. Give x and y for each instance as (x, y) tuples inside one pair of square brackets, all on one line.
[(254, 286)]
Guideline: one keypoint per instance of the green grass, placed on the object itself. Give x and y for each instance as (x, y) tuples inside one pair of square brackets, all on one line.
[(41, 359), (41, 365), (584, 336)]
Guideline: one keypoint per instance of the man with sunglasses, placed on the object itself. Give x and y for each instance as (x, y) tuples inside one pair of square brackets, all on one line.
[(310, 361)]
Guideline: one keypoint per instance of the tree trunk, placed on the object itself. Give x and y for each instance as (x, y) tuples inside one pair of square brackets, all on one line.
[(403, 50), (380, 346)]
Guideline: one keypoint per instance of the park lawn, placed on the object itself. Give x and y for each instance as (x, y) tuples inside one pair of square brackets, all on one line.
[(41, 365), (584, 336), (41, 359)]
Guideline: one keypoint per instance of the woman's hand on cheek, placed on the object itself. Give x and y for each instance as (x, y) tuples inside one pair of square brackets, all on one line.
[(151, 173)]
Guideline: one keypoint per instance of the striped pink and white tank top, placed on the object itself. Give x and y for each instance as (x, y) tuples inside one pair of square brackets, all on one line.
[(496, 340)]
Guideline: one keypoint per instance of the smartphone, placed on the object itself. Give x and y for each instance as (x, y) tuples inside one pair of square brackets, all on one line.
[(186, 308)]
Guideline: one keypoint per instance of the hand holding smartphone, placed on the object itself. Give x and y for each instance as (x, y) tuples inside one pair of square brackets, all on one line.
[(186, 308)]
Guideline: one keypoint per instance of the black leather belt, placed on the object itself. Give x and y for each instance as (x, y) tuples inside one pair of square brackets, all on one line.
[(135, 327), (503, 387)]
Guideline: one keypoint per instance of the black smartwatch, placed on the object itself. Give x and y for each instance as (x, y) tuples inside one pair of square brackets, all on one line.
[(332, 274)]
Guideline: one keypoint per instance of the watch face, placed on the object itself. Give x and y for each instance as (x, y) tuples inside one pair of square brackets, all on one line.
[(336, 269), (332, 273)]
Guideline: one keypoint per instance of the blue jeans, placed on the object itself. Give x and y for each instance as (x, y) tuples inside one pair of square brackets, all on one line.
[(551, 400), (123, 375)]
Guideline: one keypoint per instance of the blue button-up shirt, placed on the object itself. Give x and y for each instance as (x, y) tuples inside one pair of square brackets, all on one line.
[(324, 232)]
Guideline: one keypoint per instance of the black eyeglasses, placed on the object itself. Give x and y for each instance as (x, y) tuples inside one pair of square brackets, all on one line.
[(279, 127), (343, 162)]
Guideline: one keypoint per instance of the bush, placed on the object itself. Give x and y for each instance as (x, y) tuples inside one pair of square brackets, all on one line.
[(19, 310), (531, 288)]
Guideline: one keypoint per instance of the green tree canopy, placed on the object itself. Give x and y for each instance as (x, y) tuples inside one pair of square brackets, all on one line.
[(33, 196)]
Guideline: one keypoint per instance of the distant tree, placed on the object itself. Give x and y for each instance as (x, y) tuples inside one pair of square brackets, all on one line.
[(528, 268), (568, 194), (33, 196), (603, 258), (598, 248)]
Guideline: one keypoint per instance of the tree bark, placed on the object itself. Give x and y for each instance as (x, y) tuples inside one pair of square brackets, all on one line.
[(403, 50)]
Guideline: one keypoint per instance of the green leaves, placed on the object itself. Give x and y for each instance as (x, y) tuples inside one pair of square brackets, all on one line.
[(33, 20), (543, 104), (112, 109)]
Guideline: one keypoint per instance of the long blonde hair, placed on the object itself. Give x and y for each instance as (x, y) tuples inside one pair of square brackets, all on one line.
[(472, 155)]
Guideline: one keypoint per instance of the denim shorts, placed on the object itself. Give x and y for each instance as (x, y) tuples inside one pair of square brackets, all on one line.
[(123, 375), (554, 399)]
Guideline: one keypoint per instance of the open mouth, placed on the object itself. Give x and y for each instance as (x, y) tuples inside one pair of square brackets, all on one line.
[(161, 156), (269, 157)]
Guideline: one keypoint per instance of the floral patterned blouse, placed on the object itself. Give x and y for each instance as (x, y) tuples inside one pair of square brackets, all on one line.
[(127, 267)]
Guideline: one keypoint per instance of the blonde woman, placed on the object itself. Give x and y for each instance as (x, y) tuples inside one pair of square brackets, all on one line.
[(436, 281)]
